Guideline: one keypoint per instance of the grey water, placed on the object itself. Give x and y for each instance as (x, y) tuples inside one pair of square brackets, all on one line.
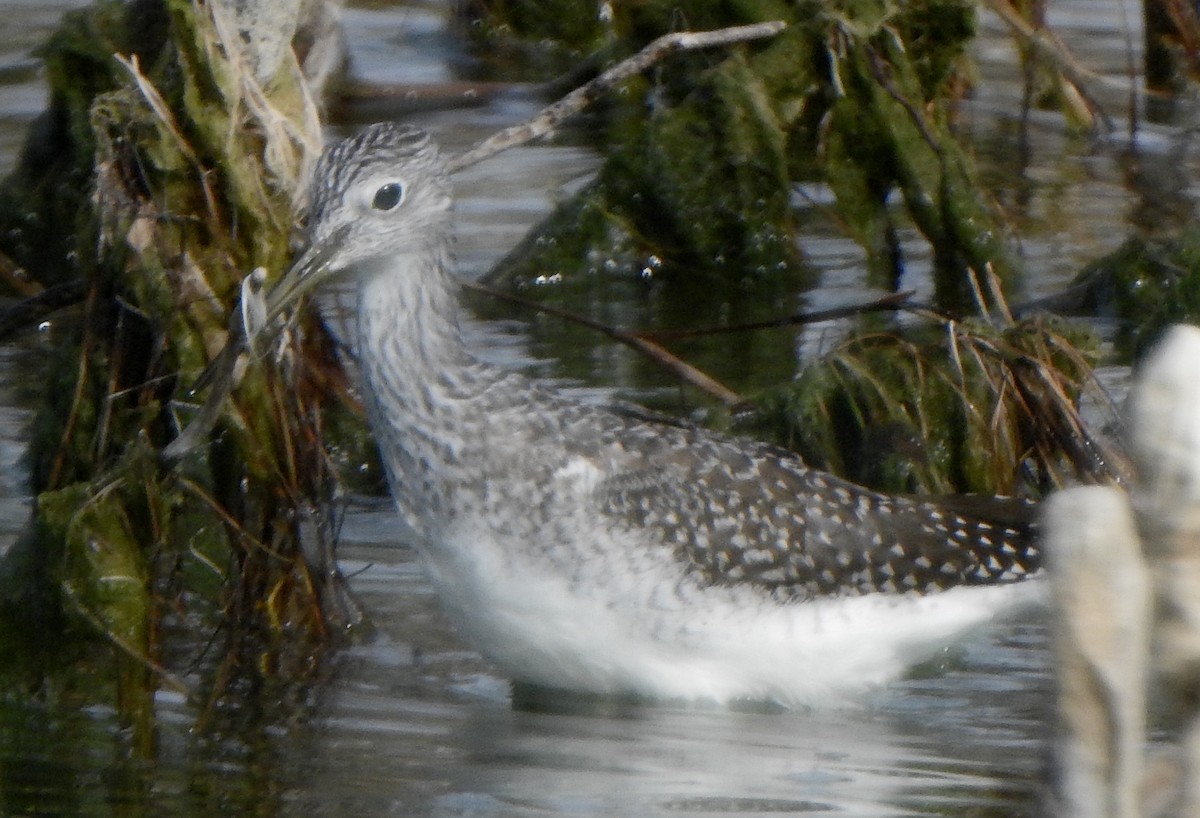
[(414, 722)]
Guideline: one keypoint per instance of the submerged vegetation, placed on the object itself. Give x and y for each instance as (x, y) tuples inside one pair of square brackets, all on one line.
[(181, 164), (1149, 284), (153, 188)]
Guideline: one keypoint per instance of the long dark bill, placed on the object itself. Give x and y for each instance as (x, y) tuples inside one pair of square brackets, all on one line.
[(247, 328)]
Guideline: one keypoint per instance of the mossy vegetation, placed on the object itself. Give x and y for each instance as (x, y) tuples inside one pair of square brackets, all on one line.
[(1148, 284), (178, 173), (702, 157), (946, 407)]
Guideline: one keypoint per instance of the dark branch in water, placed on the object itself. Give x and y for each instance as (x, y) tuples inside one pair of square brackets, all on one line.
[(647, 341), (888, 303), (636, 340), (28, 311)]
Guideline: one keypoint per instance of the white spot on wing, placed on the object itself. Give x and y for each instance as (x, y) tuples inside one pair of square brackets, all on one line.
[(579, 474)]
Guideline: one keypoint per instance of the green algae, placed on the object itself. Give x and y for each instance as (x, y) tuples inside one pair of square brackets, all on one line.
[(1148, 284), (701, 159), (179, 174)]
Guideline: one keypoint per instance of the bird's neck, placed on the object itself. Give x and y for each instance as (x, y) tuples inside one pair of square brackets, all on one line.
[(428, 397), (408, 326)]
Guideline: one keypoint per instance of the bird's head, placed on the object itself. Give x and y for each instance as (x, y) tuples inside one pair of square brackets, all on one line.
[(375, 197)]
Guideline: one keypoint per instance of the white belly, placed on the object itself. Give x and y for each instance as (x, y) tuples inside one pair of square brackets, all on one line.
[(652, 637)]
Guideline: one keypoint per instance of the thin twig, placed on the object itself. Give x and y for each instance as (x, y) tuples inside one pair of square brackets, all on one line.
[(556, 113), (880, 72), (996, 291), (1046, 45), (1132, 74), (888, 303), (650, 349)]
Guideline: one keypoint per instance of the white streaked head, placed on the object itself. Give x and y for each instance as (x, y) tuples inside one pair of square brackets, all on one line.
[(379, 195)]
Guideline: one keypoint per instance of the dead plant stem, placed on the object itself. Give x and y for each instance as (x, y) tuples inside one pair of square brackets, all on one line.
[(558, 112)]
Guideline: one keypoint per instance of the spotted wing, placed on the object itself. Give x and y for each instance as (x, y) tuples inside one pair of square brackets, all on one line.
[(740, 514)]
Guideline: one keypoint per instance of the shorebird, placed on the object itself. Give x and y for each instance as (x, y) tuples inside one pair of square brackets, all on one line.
[(585, 550)]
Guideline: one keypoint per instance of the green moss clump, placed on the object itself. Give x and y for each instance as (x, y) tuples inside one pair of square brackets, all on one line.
[(1148, 285), (702, 159), (176, 173), (45, 204)]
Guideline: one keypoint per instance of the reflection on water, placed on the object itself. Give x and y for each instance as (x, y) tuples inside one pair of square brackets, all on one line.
[(415, 726), (414, 723)]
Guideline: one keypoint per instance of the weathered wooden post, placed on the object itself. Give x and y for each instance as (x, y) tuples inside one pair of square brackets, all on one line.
[(1165, 441), (1125, 573), (1102, 602)]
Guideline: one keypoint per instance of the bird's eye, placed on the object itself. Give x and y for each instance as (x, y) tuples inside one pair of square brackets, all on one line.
[(388, 196)]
